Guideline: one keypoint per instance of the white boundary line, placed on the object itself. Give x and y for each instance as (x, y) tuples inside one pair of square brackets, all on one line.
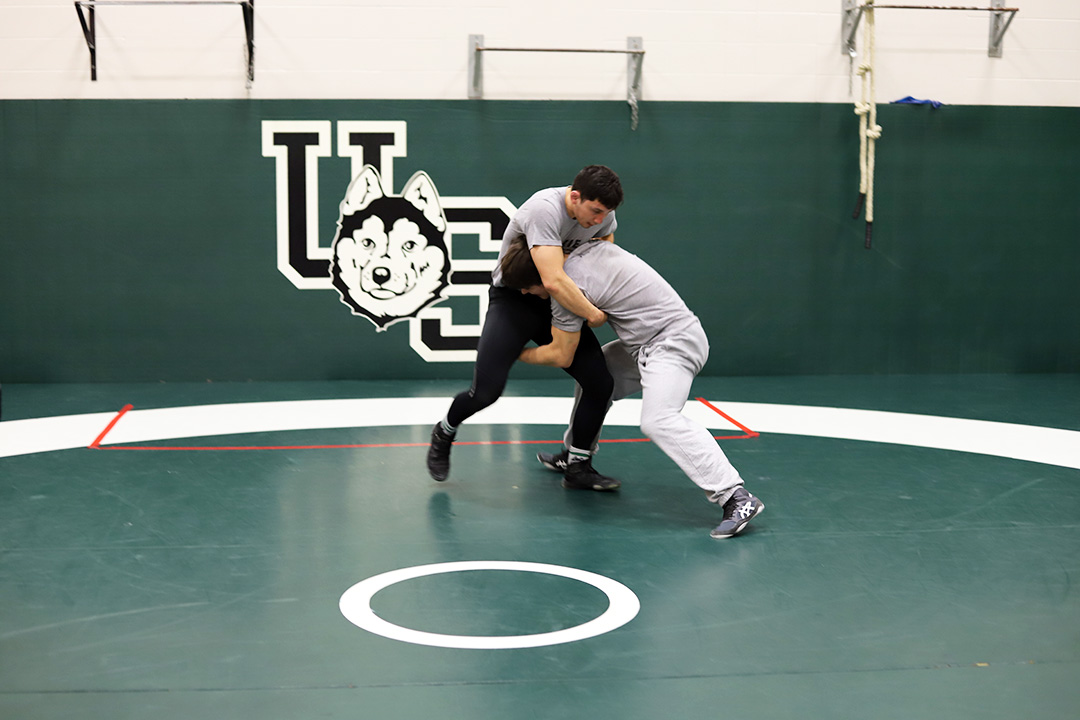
[(1052, 446)]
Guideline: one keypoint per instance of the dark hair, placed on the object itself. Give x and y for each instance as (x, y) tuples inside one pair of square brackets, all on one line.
[(518, 269), (600, 183)]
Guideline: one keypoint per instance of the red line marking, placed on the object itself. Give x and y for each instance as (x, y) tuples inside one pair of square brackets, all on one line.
[(96, 445), (339, 447), (321, 447), (97, 441), (749, 433)]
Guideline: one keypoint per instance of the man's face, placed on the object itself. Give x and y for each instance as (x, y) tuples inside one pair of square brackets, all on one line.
[(587, 212), (537, 290)]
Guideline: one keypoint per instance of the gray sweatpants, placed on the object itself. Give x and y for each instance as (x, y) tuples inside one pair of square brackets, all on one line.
[(663, 371)]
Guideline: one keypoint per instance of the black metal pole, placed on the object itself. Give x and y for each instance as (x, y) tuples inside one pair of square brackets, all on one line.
[(248, 9), (90, 33)]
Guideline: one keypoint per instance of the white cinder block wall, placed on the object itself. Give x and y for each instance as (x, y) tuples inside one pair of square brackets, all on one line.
[(696, 50)]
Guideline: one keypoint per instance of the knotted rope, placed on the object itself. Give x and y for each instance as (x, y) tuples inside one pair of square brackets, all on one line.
[(869, 130)]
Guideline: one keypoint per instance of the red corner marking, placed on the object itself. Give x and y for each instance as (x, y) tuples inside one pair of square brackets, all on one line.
[(749, 433), (96, 445)]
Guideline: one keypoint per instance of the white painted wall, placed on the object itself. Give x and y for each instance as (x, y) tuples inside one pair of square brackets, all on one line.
[(696, 50)]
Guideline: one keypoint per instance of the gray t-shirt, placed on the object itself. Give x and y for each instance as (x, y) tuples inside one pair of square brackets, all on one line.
[(640, 304), (543, 220)]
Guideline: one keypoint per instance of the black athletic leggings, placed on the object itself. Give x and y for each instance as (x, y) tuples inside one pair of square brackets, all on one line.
[(513, 319)]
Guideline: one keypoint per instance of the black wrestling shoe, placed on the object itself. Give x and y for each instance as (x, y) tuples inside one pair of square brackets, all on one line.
[(438, 454), (581, 476), (554, 461), (739, 510)]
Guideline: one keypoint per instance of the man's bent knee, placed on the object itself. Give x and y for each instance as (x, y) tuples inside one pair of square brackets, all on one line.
[(484, 396)]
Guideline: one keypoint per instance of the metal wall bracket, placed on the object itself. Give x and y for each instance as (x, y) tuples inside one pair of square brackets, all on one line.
[(999, 24), (635, 58), (852, 12), (87, 20), (476, 67), (634, 51)]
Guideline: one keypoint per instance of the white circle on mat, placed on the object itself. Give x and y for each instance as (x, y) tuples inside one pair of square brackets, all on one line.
[(355, 605)]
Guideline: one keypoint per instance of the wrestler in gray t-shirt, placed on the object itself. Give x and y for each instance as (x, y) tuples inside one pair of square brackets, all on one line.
[(661, 347), (543, 220), (641, 306)]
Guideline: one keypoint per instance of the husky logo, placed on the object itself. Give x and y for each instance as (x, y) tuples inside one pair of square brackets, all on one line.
[(416, 256), (390, 258)]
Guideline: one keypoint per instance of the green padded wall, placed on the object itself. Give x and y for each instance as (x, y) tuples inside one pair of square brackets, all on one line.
[(139, 238)]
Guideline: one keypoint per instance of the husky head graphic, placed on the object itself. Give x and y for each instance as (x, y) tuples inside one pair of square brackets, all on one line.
[(389, 255)]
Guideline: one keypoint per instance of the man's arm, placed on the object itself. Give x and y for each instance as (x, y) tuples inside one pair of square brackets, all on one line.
[(549, 261), (608, 238), (559, 352)]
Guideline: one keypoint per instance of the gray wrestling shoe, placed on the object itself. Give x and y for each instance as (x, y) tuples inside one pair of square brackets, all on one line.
[(554, 461), (739, 510)]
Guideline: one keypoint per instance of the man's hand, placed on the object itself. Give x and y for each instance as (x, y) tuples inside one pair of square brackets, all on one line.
[(558, 353), (549, 263)]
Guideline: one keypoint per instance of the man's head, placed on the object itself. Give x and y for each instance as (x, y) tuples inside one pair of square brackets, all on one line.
[(519, 271), (595, 193)]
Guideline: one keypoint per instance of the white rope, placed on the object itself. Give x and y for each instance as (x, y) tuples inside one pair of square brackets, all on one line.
[(873, 130), (866, 109)]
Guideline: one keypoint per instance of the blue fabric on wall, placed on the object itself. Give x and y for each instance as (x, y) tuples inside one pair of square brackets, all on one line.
[(916, 101)]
